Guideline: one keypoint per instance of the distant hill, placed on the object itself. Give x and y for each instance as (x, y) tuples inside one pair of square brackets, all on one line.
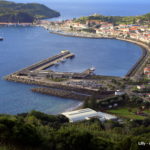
[(20, 12), (143, 19)]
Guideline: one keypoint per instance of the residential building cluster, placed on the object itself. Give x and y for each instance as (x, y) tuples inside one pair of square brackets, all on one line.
[(105, 29), (147, 71)]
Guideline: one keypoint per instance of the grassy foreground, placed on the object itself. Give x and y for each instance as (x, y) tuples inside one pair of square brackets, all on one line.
[(129, 113)]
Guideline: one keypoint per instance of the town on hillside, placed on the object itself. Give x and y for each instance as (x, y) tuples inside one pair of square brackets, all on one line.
[(98, 28)]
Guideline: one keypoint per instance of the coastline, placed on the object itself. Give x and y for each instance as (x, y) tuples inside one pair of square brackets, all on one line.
[(136, 68), (79, 106)]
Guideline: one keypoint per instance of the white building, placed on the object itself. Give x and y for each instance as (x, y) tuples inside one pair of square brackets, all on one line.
[(87, 114)]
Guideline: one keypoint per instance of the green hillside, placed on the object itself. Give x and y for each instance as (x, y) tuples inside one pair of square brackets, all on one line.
[(143, 19), (20, 12), (39, 131)]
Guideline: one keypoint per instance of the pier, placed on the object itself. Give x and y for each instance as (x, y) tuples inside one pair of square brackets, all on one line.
[(55, 61), (38, 70), (44, 64)]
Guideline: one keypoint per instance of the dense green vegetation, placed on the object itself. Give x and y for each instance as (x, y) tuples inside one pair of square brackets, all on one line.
[(39, 131), (19, 12), (144, 19)]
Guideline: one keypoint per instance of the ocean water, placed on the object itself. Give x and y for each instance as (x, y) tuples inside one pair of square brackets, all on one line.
[(77, 8), (23, 46)]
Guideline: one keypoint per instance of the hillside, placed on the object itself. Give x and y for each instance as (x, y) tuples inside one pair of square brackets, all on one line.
[(20, 12), (143, 19), (39, 131)]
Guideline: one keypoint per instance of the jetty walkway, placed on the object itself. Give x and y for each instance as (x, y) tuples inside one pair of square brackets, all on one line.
[(44, 64)]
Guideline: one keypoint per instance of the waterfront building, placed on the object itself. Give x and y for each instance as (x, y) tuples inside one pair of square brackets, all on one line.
[(147, 70), (87, 114)]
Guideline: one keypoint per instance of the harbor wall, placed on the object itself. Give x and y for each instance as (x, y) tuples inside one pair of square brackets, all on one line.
[(27, 80), (81, 93), (61, 93)]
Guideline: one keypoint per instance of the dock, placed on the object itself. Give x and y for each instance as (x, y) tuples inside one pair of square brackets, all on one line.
[(38, 70), (44, 64), (54, 62)]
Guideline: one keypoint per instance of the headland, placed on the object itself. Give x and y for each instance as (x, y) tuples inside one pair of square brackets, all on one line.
[(12, 12)]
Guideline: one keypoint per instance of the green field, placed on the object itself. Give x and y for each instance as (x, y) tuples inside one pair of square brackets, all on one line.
[(128, 113)]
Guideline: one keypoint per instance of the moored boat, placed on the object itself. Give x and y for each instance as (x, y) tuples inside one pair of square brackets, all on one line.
[(1, 39)]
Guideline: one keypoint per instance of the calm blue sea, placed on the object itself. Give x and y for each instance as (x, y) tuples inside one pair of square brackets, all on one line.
[(77, 8), (23, 46)]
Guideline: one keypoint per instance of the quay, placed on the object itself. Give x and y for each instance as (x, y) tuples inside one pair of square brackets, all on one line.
[(54, 62), (42, 65)]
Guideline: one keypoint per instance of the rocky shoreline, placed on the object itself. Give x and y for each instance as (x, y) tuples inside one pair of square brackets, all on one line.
[(50, 84), (61, 93), (59, 89)]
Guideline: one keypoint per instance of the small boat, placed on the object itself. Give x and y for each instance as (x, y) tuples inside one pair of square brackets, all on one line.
[(1, 39)]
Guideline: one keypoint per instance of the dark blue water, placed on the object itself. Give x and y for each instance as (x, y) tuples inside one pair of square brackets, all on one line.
[(26, 45), (78, 8)]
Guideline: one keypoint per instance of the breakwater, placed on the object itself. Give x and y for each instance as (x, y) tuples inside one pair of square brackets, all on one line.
[(46, 63), (51, 84), (61, 93), (67, 89), (71, 94)]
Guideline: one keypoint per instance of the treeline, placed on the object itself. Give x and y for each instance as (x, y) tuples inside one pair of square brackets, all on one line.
[(39, 131), (143, 19), (19, 12)]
